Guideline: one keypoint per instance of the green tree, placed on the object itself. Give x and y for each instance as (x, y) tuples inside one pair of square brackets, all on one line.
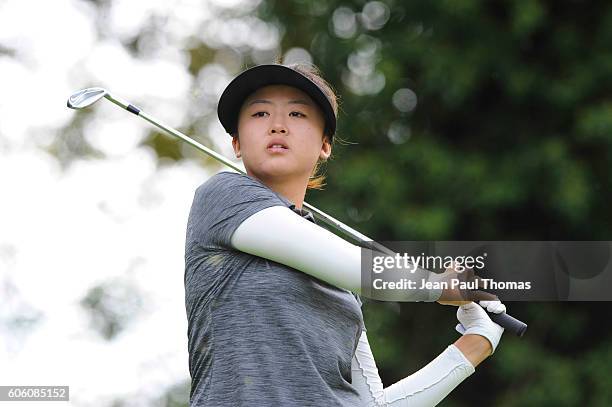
[(492, 120)]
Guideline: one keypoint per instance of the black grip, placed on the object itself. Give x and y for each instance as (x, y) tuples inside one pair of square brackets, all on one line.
[(509, 323), (133, 109)]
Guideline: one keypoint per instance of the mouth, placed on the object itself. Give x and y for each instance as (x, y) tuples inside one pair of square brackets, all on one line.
[(277, 146)]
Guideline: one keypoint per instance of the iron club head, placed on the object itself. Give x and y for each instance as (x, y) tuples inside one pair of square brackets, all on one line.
[(86, 97)]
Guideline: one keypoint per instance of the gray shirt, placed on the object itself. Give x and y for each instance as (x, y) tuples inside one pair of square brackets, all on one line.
[(260, 333)]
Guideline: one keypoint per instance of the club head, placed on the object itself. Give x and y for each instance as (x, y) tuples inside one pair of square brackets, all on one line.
[(86, 97)]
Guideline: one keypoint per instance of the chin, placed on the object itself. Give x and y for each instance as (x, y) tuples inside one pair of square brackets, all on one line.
[(276, 170)]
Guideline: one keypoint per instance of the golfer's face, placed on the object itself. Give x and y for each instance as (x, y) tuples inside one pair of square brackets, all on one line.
[(280, 133)]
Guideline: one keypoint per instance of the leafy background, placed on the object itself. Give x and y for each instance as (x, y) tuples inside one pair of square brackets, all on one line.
[(461, 120)]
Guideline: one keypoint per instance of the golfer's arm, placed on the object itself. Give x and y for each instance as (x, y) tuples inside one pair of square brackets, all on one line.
[(426, 387), (279, 234)]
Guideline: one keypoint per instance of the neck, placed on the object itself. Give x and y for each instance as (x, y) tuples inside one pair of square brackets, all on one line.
[(292, 188)]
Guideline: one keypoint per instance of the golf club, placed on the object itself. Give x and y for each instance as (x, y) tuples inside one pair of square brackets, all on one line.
[(87, 97)]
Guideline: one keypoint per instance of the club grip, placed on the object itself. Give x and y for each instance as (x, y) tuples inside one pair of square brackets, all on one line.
[(509, 323)]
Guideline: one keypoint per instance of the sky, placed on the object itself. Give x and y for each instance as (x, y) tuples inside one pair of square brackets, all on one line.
[(71, 222)]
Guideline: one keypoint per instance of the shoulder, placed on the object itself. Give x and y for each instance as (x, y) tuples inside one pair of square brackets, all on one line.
[(222, 181), (234, 186), (221, 178)]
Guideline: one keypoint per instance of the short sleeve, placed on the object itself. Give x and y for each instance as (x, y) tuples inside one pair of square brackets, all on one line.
[(358, 298), (222, 203)]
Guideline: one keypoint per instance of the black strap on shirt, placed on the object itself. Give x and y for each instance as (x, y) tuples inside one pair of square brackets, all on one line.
[(303, 213)]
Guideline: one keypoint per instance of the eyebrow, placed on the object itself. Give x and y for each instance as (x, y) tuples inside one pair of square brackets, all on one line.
[(295, 101)]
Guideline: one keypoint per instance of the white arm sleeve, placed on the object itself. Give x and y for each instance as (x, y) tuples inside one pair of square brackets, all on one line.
[(426, 387), (278, 234)]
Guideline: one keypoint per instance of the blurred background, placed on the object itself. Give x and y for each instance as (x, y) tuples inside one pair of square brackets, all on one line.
[(461, 119)]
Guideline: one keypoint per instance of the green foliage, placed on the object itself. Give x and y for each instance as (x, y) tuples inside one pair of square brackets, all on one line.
[(473, 120), (510, 139)]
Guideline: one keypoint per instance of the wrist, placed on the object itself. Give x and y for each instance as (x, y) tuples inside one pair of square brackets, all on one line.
[(474, 347)]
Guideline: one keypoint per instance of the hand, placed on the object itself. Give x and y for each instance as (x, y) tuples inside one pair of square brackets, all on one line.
[(474, 320), (460, 295), (496, 307)]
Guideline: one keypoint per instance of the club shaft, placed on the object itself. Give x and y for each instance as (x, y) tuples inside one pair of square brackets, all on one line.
[(509, 323), (330, 221)]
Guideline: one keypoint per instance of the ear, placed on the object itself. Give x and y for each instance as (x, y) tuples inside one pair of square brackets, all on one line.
[(326, 149), (236, 145)]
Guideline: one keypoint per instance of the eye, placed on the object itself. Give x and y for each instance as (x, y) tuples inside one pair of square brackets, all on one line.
[(259, 114), (300, 114)]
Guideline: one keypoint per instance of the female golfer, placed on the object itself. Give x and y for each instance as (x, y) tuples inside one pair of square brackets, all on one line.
[(274, 315)]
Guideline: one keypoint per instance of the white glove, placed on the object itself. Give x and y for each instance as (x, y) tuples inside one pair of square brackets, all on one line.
[(474, 320), (495, 307)]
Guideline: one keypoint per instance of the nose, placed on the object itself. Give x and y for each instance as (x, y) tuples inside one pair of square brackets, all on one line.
[(278, 127)]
